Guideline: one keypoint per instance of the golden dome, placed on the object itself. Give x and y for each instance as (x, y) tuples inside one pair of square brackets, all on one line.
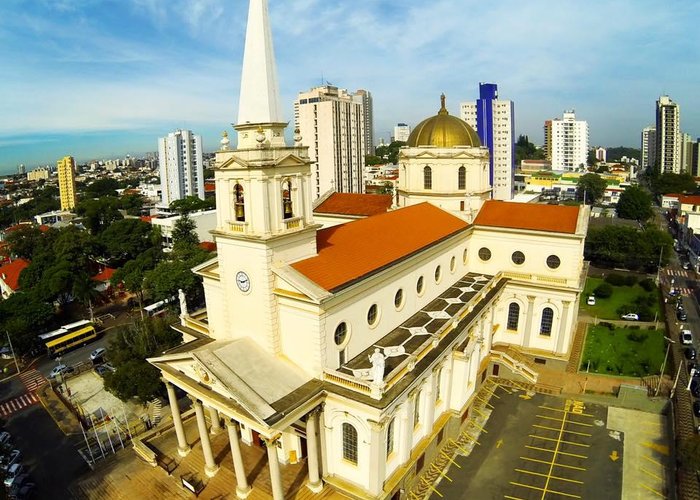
[(443, 131)]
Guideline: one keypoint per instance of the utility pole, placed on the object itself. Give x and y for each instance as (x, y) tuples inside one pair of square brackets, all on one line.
[(663, 365), (12, 350)]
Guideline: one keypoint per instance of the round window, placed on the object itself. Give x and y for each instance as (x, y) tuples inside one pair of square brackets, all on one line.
[(453, 264), (464, 256), (553, 262), (438, 274), (518, 257), (398, 298), (484, 253), (341, 333), (420, 285), (372, 315)]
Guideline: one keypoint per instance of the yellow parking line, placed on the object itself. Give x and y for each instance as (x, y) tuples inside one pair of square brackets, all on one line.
[(506, 389), (651, 474), (554, 429), (653, 490), (557, 465), (653, 461), (565, 411), (512, 498), (545, 491), (568, 421), (552, 451), (559, 440), (548, 476)]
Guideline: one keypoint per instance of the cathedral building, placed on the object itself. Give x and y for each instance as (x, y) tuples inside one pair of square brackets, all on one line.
[(360, 346)]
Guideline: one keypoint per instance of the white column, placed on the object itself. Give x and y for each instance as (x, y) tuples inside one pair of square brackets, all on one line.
[(315, 484), (210, 468), (447, 371), (275, 474), (242, 487), (215, 422), (377, 458), (528, 322), (407, 425), (430, 405), (563, 326), (182, 447)]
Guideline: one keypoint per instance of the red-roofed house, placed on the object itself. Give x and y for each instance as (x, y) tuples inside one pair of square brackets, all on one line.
[(9, 277), (102, 279)]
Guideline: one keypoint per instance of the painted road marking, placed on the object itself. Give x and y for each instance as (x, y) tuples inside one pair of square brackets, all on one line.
[(652, 460), (568, 431), (565, 411), (651, 473), (32, 379), (18, 403), (560, 440), (652, 490), (663, 449), (552, 451), (545, 491), (524, 471), (568, 421), (558, 465)]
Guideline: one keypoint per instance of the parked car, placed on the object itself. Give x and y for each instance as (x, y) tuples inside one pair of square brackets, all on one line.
[(60, 370), (4, 438), (673, 292), (631, 317), (10, 459), (12, 473), (97, 354), (690, 353), (102, 370), (692, 366), (20, 482), (696, 408), (686, 337), (6, 352), (23, 492), (681, 315), (591, 300)]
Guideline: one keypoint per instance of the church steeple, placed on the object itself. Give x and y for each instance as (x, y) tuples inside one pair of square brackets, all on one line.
[(259, 104)]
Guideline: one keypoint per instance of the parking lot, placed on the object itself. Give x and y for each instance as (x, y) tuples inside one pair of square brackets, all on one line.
[(546, 447)]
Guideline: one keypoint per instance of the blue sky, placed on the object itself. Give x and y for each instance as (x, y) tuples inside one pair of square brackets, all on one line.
[(100, 78)]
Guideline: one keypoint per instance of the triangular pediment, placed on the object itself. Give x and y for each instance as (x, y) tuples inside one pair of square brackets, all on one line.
[(290, 160)]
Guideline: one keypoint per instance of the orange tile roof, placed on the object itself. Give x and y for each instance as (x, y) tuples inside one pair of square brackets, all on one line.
[(355, 204), (104, 275), (549, 218), (9, 273), (146, 218), (354, 250), (208, 246), (689, 199)]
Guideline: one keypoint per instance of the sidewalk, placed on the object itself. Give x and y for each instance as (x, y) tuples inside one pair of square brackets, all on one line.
[(65, 420)]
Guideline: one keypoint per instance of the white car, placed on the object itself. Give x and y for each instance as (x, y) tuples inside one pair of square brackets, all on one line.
[(631, 316), (14, 471), (686, 337), (591, 300), (60, 370), (97, 353)]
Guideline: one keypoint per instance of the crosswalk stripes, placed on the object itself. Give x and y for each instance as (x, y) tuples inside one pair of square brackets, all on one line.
[(32, 379), (18, 403), (678, 273)]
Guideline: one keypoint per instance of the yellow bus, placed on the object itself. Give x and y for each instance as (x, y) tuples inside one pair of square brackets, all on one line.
[(68, 337)]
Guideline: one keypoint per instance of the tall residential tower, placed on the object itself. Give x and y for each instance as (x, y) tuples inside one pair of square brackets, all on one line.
[(668, 136), (331, 122), (493, 120), (66, 183), (566, 142), (181, 166), (648, 147)]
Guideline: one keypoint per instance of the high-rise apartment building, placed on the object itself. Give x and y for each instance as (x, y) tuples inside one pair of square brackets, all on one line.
[(648, 147), (668, 136), (181, 166), (493, 119), (368, 110), (331, 123), (66, 183), (601, 154), (566, 142), (686, 153), (695, 161), (401, 132)]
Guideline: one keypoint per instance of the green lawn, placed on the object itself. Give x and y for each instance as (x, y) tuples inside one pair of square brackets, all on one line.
[(630, 352), (607, 308)]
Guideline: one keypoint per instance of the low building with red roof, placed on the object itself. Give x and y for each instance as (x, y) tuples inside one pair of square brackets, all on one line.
[(338, 208), (9, 277)]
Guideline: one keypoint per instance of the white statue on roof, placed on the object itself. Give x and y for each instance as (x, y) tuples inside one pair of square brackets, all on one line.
[(183, 303), (378, 362)]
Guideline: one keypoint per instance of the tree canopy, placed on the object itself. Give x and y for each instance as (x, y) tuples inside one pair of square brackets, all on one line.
[(386, 153), (101, 187), (99, 214), (23, 315), (125, 239), (628, 247), (525, 150), (671, 183), (635, 203), (591, 187), (192, 204)]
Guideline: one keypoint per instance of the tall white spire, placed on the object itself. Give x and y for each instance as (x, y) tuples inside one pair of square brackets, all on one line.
[(260, 98)]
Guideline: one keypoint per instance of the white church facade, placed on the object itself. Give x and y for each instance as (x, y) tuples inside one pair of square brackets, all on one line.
[(360, 347)]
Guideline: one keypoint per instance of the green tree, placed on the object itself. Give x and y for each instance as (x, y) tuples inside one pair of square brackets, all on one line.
[(635, 203), (628, 247), (590, 188), (24, 241), (24, 316), (525, 150), (389, 153), (167, 277), (99, 214), (373, 160), (671, 183), (132, 203), (591, 158), (101, 188), (125, 239), (185, 231), (192, 204), (132, 274)]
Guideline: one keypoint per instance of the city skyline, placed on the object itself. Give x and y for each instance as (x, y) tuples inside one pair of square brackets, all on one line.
[(91, 78)]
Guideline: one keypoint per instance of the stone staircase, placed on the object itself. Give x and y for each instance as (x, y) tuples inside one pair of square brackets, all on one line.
[(577, 348), (515, 361)]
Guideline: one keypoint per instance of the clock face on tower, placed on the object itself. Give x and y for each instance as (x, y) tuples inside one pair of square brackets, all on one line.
[(242, 281)]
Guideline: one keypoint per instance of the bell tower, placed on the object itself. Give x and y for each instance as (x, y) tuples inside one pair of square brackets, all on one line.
[(263, 198)]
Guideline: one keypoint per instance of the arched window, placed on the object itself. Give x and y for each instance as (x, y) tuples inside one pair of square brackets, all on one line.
[(287, 212), (462, 178), (416, 410), (547, 319), (390, 437), (438, 378), (513, 316), (349, 443), (238, 204), (427, 178)]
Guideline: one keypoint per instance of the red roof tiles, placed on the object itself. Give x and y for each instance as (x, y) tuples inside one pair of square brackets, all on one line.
[(689, 199), (355, 204), (208, 246), (104, 275), (352, 251), (549, 218), (9, 273)]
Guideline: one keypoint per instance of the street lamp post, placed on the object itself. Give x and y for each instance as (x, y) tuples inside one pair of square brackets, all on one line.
[(663, 365)]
